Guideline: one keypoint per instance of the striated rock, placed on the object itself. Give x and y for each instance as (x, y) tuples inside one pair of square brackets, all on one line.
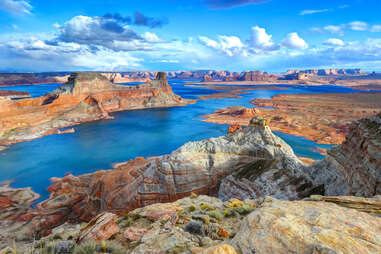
[(16, 215), (354, 167), (101, 228), (308, 227), (367, 205), (85, 97)]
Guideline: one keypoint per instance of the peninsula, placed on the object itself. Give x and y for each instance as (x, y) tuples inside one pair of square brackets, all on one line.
[(85, 97)]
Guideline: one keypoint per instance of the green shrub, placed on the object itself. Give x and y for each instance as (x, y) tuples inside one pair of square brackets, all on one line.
[(85, 248), (111, 247), (216, 214), (192, 208), (245, 209)]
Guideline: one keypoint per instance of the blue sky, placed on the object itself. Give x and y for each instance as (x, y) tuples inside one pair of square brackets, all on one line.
[(270, 35)]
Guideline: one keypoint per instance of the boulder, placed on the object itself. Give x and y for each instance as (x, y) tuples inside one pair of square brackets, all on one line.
[(101, 228), (308, 227)]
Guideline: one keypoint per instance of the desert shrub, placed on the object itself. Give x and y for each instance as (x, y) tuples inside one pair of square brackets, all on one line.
[(245, 209), (192, 208), (85, 248), (111, 247), (216, 214)]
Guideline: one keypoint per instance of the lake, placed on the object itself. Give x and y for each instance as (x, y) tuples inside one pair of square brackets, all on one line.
[(149, 132)]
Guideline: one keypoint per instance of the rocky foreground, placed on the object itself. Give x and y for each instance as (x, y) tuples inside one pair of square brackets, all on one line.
[(249, 164), (322, 118), (85, 97)]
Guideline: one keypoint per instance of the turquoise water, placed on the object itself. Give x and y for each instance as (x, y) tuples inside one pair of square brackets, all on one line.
[(148, 132)]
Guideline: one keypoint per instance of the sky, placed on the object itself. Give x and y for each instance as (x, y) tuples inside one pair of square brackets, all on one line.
[(170, 35)]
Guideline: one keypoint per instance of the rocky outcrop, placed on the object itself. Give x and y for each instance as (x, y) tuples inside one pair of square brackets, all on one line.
[(85, 97), (354, 167), (100, 228), (307, 227), (203, 224)]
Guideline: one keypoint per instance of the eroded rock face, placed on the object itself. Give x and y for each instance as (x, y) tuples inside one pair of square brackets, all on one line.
[(308, 227), (354, 167), (85, 97)]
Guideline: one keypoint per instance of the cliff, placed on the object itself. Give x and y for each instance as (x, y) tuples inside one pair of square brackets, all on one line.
[(85, 97)]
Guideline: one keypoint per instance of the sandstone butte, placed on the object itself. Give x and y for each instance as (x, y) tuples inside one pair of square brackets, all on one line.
[(250, 164), (322, 118), (85, 97)]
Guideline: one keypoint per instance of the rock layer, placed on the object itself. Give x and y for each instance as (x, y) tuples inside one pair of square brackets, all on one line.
[(308, 227)]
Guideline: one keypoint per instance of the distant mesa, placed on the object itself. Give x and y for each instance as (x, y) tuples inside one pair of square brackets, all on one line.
[(86, 96)]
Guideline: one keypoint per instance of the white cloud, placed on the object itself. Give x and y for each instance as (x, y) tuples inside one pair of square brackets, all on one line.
[(308, 12), (334, 42), (229, 45), (151, 37), (358, 26), (34, 54), (317, 30), (334, 29), (376, 28), (16, 7), (293, 41), (260, 40)]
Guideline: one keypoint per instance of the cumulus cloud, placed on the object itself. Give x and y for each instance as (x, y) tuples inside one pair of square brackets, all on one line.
[(358, 26), (35, 54), (229, 45), (333, 42), (308, 12), (334, 29), (293, 41), (226, 4), (260, 40), (16, 6)]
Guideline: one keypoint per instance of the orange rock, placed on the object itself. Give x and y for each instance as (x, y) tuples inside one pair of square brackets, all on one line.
[(99, 229), (134, 234), (234, 127)]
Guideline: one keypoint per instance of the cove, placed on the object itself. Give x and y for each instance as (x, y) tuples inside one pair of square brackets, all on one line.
[(149, 132)]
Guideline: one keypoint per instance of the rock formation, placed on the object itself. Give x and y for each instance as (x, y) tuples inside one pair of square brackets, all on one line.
[(354, 167), (307, 227), (206, 225), (85, 97), (250, 163)]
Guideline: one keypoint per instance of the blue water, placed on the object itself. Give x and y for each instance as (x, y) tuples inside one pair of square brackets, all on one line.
[(34, 90), (148, 132)]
